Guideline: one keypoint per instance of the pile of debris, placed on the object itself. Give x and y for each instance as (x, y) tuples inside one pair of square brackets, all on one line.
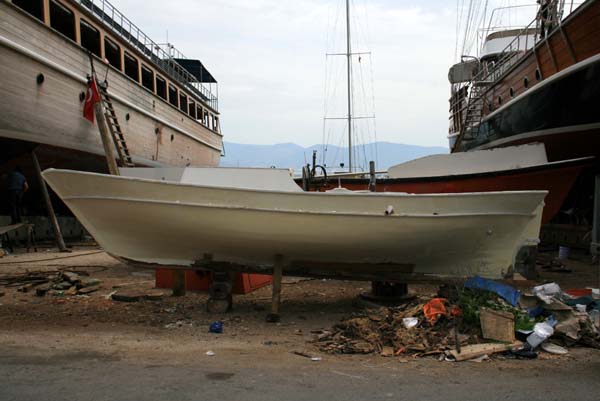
[(394, 331), (482, 318), (55, 283)]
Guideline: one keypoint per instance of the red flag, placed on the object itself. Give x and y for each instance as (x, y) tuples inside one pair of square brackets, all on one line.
[(92, 96)]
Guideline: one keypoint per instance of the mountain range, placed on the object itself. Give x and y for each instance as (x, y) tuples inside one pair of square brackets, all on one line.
[(290, 155)]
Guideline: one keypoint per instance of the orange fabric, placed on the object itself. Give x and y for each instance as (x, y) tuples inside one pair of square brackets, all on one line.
[(434, 309)]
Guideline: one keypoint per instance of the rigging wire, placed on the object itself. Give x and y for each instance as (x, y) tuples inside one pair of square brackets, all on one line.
[(361, 94)]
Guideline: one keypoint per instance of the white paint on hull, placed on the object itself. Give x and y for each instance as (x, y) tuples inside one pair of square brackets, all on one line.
[(176, 224)]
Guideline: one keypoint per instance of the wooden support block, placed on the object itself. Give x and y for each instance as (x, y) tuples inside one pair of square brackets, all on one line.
[(276, 298), (178, 283)]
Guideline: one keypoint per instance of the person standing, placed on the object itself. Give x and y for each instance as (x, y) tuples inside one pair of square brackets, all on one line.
[(16, 186)]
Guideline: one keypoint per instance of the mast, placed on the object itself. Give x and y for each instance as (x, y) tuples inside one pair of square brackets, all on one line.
[(349, 57)]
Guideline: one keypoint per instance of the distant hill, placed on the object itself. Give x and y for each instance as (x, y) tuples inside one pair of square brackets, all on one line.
[(290, 155)]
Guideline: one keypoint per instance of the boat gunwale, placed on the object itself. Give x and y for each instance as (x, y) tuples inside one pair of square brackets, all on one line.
[(352, 194), (299, 211)]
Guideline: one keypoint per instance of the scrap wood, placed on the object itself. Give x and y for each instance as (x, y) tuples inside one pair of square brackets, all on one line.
[(44, 281), (476, 350), (373, 331), (300, 353), (87, 290), (137, 296), (19, 279)]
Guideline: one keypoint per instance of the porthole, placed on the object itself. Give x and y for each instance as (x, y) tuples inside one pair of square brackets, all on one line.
[(40, 78), (538, 74), (172, 137), (512, 92), (499, 99), (526, 82)]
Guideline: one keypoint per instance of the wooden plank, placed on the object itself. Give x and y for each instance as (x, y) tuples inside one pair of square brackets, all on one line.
[(475, 350), (60, 242)]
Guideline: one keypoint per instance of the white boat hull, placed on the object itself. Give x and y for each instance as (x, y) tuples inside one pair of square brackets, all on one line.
[(173, 224)]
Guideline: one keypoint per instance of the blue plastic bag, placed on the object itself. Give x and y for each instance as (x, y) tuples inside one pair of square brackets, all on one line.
[(505, 291)]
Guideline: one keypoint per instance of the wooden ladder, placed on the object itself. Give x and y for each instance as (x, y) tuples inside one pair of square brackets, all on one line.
[(114, 127)]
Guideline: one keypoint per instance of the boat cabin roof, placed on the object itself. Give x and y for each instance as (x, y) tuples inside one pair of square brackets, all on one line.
[(512, 40), (480, 161), (197, 69), (270, 179)]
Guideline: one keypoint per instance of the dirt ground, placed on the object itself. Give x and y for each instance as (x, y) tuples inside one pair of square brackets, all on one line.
[(40, 333)]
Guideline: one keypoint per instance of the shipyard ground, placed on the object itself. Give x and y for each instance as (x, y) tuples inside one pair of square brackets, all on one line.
[(93, 348)]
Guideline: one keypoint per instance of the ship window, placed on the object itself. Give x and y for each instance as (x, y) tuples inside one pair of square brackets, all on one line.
[(33, 7), (90, 37), (216, 124), (526, 82), (62, 19), (161, 87), (183, 102), (192, 109), (131, 67), (499, 99), (173, 95), (112, 53), (147, 78), (538, 74), (512, 92)]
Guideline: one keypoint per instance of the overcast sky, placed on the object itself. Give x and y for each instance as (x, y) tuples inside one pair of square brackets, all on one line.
[(269, 59)]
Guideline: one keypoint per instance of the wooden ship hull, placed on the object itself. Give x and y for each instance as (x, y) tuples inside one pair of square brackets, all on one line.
[(547, 91), (557, 179), (515, 168), (43, 81)]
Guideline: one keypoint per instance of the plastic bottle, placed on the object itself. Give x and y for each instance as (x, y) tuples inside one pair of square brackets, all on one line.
[(541, 331)]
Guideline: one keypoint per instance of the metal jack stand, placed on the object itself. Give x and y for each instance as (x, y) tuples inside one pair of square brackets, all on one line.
[(387, 293), (220, 299)]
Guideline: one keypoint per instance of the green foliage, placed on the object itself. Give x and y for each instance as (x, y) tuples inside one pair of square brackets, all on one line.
[(470, 300)]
